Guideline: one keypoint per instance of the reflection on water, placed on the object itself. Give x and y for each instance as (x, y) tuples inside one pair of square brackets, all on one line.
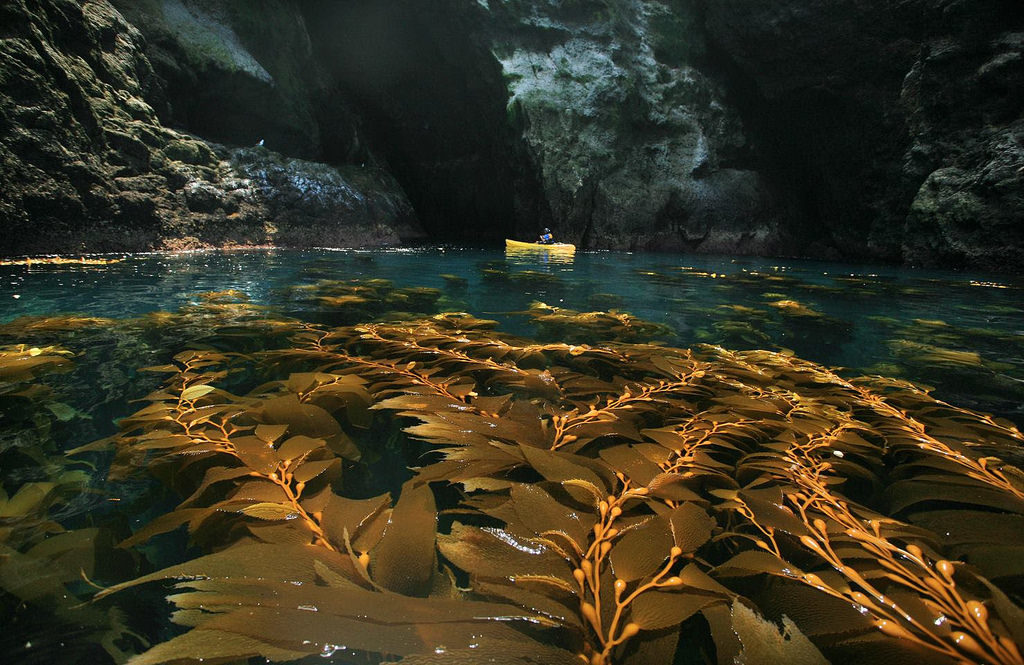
[(272, 404), (539, 255), (961, 333)]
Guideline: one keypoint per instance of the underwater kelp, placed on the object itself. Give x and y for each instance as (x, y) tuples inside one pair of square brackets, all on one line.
[(29, 406), (627, 502), (741, 319), (560, 323), (963, 363), (19, 393), (585, 497), (973, 365), (45, 561), (336, 302)]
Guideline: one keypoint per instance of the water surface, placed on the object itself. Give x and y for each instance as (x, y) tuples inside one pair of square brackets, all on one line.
[(962, 333), (97, 326)]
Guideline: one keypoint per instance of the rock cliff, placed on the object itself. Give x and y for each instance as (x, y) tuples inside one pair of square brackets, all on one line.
[(893, 127), (88, 164), (841, 129), (635, 146), (431, 102)]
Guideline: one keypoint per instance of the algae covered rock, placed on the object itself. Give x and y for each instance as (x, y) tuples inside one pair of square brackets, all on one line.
[(189, 152), (313, 204), (88, 165), (231, 71), (69, 123), (893, 128), (966, 116)]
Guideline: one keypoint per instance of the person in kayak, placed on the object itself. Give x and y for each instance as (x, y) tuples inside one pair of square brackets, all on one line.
[(546, 238)]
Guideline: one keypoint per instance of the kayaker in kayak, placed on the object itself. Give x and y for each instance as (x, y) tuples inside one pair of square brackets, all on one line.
[(546, 238)]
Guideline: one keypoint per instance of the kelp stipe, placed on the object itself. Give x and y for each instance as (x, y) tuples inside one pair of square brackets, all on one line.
[(607, 496)]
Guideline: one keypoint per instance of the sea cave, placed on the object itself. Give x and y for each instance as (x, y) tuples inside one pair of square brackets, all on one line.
[(617, 332)]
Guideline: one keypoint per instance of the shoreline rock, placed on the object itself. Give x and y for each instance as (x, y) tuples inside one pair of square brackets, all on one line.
[(837, 130), (88, 166)]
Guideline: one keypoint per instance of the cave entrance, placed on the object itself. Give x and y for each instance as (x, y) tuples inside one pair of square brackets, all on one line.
[(431, 103)]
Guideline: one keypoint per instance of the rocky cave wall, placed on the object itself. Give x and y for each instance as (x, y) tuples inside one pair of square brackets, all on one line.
[(636, 147), (95, 157), (432, 102), (894, 129), (840, 129)]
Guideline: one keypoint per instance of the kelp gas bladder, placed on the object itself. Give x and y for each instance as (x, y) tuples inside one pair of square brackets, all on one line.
[(620, 503)]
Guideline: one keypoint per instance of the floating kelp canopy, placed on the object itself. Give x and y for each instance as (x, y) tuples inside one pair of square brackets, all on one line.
[(59, 260), (599, 498)]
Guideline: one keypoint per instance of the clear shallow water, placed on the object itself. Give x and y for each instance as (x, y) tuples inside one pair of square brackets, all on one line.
[(962, 333)]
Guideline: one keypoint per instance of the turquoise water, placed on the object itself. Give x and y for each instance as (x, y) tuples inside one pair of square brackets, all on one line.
[(962, 334), (868, 319)]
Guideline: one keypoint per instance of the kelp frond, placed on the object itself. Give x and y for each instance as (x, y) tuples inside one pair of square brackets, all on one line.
[(603, 498)]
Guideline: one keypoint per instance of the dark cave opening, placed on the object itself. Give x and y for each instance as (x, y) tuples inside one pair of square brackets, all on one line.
[(431, 105), (408, 86), (820, 147)]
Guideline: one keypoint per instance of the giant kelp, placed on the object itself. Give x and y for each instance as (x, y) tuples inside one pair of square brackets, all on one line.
[(43, 557), (59, 261), (974, 364), (627, 502), (560, 323)]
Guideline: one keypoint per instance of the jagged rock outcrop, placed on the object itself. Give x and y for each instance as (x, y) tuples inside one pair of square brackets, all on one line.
[(234, 72), (305, 200), (894, 128), (636, 147), (821, 128), (87, 165), (965, 108)]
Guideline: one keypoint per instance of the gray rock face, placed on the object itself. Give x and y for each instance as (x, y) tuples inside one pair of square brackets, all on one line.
[(313, 204), (965, 104), (827, 128), (636, 148), (87, 165), (893, 127), (231, 71)]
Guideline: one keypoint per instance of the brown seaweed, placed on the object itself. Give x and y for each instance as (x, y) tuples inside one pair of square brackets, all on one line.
[(607, 495), (42, 561), (589, 497)]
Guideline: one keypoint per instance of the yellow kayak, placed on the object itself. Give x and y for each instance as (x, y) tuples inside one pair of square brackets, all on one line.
[(554, 247)]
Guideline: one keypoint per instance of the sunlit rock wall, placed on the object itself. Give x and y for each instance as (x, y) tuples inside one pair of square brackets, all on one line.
[(636, 147), (88, 165)]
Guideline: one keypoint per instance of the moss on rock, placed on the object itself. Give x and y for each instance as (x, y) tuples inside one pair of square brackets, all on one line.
[(189, 152)]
